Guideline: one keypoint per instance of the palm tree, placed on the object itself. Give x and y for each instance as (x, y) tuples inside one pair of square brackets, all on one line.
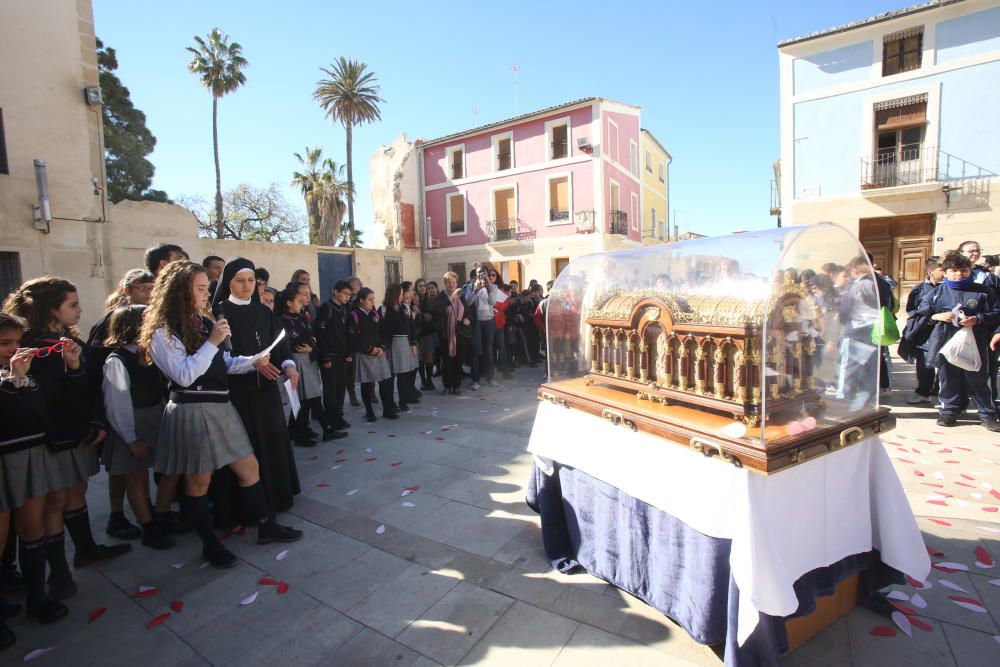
[(219, 64), (350, 238), (324, 191), (309, 182), (350, 96)]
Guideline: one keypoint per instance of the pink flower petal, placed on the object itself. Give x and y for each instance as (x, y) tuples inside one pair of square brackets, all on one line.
[(883, 631), (903, 623)]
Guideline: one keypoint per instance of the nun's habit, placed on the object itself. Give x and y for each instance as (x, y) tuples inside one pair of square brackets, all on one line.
[(257, 400)]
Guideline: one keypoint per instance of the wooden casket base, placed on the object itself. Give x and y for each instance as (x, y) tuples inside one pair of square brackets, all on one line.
[(703, 431), (828, 610)]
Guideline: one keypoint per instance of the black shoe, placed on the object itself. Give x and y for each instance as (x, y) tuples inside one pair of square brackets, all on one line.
[(272, 531), (7, 636), (310, 433), (121, 528), (355, 402), (992, 425), (218, 557), (403, 408), (47, 611), (98, 553), (172, 523), (11, 582), (427, 385), (8, 608), (341, 425), (330, 434), (61, 589), (371, 418), (155, 538), (303, 443), (457, 392), (390, 415), (947, 420)]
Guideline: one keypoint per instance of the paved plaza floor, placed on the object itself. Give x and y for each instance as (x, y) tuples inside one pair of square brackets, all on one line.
[(453, 572)]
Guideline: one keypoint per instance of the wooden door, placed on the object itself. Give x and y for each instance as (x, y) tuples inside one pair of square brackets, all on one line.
[(910, 259), (512, 271), (900, 246)]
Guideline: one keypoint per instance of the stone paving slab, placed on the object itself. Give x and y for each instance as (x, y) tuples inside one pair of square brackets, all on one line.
[(461, 576)]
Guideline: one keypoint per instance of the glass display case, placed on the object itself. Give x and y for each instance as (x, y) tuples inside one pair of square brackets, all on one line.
[(759, 347)]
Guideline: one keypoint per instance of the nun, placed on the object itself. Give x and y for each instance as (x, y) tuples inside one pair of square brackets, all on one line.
[(256, 395)]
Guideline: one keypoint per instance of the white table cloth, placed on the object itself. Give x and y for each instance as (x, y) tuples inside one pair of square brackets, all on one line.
[(781, 525)]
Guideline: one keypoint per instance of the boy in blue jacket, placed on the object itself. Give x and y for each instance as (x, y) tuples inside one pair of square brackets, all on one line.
[(981, 311)]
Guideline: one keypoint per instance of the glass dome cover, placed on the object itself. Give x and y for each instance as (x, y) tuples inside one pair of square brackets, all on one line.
[(761, 337)]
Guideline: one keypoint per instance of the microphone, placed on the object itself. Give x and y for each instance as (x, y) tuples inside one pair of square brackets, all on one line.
[(217, 310)]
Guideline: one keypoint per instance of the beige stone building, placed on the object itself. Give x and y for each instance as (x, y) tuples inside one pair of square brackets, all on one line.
[(889, 128)]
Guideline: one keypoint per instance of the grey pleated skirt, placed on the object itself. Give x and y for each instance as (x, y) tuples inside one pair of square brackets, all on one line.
[(310, 383), (200, 437), (117, 457), (22, 477), (429, 344), (69, 468), (401, 357), (371, 369)]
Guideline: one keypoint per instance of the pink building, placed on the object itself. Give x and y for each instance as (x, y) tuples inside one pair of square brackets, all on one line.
[(533, 192)]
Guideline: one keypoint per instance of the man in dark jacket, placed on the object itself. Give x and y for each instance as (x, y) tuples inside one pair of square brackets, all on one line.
[(961, 302), (331, 335)]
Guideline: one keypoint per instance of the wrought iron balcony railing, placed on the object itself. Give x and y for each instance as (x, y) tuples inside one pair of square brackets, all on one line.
[(556, 214), (559, 149), (915, 164), (508, 229), (503, 161), (618, 222)]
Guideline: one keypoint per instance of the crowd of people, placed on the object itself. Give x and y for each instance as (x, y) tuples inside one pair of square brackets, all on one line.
[(206, 376)]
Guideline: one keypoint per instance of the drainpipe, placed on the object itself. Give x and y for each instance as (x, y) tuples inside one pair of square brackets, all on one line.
[(424, 232)]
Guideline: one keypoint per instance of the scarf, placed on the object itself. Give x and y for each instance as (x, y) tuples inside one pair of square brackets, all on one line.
[(455, 312), (963, 284)]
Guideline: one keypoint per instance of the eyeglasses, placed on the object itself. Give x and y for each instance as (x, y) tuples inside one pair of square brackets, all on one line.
[(144, 289), (43, 352)]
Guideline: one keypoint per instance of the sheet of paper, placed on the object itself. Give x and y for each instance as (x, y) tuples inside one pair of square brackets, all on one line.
[(293, 398), (267, 350)]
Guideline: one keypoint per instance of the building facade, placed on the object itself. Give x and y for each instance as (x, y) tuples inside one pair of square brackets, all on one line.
[(889, 127), (655, 189), (534, 192)]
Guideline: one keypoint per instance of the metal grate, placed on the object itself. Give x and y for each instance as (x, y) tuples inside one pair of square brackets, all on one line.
[(393, 270), (10, 273)]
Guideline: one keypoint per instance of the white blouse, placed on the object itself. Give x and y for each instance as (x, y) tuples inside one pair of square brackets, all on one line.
[(172, 359)]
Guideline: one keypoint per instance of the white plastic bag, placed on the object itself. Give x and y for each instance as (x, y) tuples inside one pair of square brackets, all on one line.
[(962, 351)]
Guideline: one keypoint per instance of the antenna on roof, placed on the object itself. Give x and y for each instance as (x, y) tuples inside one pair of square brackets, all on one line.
[(515, 69), (475, 113)]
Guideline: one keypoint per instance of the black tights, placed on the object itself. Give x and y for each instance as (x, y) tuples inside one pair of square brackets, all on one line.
[(385, 395), (311, 407)]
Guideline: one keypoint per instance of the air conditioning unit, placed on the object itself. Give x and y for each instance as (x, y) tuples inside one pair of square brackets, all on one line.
[(433, 243), (92, 96), (583, 143)]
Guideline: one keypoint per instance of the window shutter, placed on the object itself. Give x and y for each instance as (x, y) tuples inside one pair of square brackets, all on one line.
[(458, 209), (3, 148), (905, 112)]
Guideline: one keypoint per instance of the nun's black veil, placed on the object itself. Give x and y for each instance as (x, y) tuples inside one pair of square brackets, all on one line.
[(233, 267)]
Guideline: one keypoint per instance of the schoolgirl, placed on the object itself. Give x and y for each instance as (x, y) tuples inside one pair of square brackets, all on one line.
[(364, 336), (23, 484), (51, 308), (399, 339), (201, 431), (133, 402), (291, 307), (424, 294)]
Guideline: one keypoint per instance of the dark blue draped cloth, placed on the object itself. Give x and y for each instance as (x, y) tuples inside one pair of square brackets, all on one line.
[(590, 525)]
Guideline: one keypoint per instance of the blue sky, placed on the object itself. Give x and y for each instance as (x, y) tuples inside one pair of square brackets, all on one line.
[(706, 75)]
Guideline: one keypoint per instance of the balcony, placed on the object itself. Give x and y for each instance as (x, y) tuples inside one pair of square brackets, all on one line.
[(915, 168), (558, 215), (559, 149), (618, 222), (506, 230)]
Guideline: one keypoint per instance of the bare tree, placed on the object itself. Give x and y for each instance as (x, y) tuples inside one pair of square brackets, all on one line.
[(249, 214)]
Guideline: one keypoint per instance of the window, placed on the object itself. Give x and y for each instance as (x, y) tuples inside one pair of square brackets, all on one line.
[(662, 175), (393, 270), (899, 143), (3, 150), (456, 162), (613, 140), (559, 199), (503, 151), (560, 148), (633, 158), (652, 222), (503, 226), (634, 212), (10, 273), (456, 214), (649, 162), (558, 264), (459, 269), (901, 51)]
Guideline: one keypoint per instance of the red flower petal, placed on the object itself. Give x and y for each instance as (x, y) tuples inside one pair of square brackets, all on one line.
[(282, 588), (995, 493), (939, 522), (968, 486), (913, 582), (918, 474), (147, 593), (944, 450), (952, 461), (883, 631), (931, 551), (439, 438), (990, 509), (968, 477), (96, 614), (157, 621), (917, 623), (339, 452), (370, 459), (937, 502), (413, 488), (322, 485), (902, 607), (391, 435), (397, 463), (983, 556), (961, 598), (268, 581), (313, 458), (938, 566), (340, 461), (177, 606)]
